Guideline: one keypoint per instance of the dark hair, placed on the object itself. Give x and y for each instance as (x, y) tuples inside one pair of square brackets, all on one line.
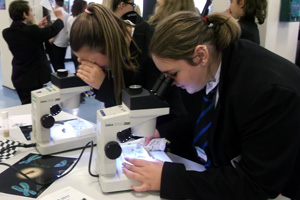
[(78, 7), (114, 4), (177, 36), (17, 8), (255, 8), (60, 2)]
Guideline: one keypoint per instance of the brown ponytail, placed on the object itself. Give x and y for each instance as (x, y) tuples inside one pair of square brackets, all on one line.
[(178, 35)]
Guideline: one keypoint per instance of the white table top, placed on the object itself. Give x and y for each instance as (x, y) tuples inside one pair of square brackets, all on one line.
[(79, 178)]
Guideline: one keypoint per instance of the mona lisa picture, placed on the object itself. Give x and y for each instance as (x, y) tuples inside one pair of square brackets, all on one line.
[(2, 4)]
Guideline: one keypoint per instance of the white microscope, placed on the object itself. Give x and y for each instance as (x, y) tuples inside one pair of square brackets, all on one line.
[(64, 90), (138, 111)]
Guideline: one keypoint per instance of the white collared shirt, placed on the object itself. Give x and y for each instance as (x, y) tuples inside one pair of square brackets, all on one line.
[(62, 38), (213, 84)]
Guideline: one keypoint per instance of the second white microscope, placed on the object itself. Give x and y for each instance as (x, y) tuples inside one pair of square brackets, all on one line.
[(138, 111)]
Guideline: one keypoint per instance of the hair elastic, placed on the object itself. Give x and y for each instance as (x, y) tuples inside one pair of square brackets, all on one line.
[(87, 11), (209, 24)]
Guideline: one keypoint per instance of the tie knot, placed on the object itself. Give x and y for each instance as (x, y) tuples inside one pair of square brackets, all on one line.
[(210, 96)]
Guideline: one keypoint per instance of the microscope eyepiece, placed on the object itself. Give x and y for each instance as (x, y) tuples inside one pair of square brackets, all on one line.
[(164, 86), (158, 83), (62, 72), (135, 89)]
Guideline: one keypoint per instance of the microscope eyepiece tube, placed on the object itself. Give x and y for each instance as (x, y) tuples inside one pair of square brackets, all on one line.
[(158, 83), (164, 86)]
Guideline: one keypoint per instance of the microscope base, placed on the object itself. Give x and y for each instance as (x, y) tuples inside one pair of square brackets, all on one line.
[(65, 144), (120, 182)]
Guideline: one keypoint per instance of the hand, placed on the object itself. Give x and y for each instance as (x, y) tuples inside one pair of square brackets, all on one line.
[(146, 172), (58, 13), (155, 135), (51, 40), (90, 73), (43, 22)]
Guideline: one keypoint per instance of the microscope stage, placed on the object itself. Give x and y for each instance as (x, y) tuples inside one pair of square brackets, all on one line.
[(120, 182), (67, 136)]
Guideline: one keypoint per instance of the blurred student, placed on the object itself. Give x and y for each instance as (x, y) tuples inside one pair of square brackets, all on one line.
[(30, 67), (250, 141), (111, 60), (165, 8), (77, 8), (141, 31), (58, 46), (247, 12)]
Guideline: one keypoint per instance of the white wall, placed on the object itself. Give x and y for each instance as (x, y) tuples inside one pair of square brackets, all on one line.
[(278, 37)]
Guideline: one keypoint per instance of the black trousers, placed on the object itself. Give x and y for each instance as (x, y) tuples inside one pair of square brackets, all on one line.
[(57, 56), (25, 94)]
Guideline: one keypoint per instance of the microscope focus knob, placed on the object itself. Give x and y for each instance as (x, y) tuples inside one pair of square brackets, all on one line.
[(112, 150), (47, 121)]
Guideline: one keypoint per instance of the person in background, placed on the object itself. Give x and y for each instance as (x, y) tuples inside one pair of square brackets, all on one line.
[(106, 3), (58, 45), (112, 5), (111, 60), (247, 12), (252, 138), (30, 67), (165, 8), (137, 9), (119, 7), (78, 7)]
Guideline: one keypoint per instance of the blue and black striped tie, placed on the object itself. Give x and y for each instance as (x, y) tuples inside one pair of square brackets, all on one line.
[(203, 125)]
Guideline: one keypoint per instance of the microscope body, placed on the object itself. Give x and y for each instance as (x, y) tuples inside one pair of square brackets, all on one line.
[(65, 90), (139, 112)]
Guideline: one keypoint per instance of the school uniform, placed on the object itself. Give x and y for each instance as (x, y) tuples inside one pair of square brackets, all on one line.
[(146, 76), (30, 67), (249, 30), (253, 144)]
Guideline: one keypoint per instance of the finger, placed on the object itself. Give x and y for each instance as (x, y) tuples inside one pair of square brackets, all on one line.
[(136, 162), (88, 63), (84, 72), (132, 175), (147, 140), (141, 188), (82, 76), (130, 167), (86, 69)]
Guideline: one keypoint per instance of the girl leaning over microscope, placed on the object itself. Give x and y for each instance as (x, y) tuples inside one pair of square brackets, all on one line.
[(111, 60)]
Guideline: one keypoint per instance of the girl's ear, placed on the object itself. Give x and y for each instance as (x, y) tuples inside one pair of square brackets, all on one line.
[(121, 5), (242, 3), (201, 54), (24, 15)]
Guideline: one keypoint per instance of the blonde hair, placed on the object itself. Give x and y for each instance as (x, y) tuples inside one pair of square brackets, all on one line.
[(189, 30), (169, 7), (100, 30)]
